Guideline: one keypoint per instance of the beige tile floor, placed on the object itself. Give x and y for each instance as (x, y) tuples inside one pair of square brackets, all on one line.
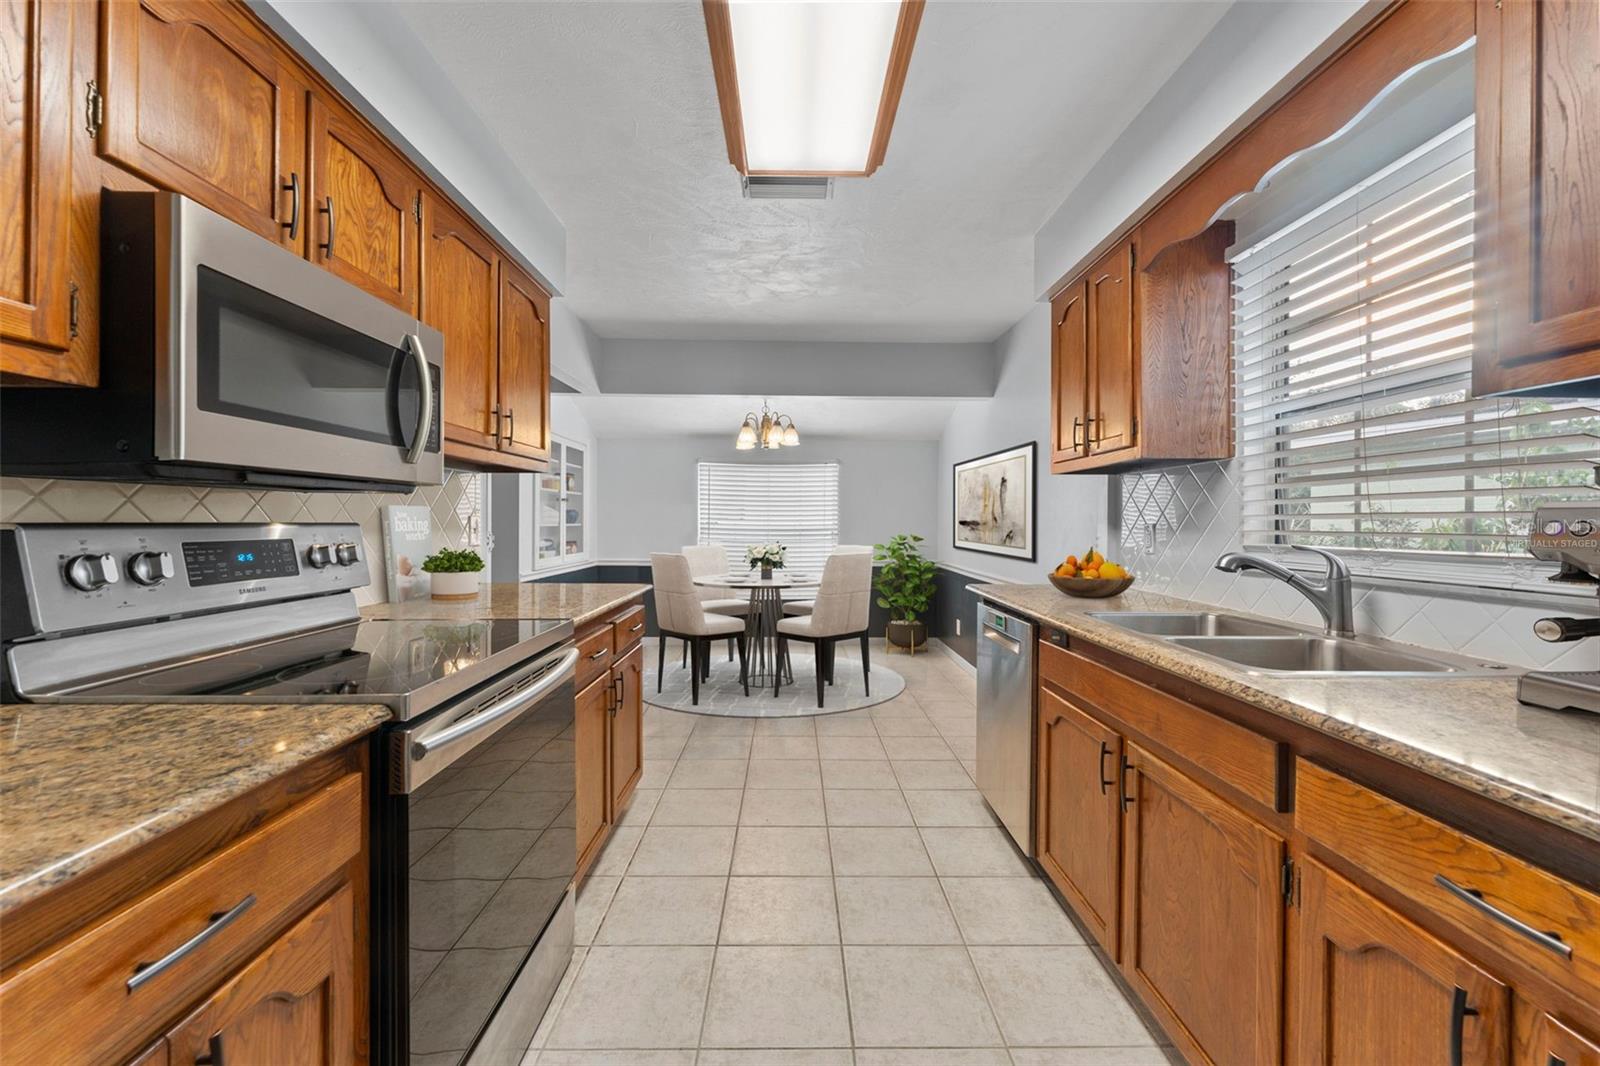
[(828, 890)]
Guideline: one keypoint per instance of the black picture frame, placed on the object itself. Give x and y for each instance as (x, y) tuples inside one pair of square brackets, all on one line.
[(1029, 452)]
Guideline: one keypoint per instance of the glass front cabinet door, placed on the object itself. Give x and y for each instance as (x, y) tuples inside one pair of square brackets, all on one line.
[(561, 534)]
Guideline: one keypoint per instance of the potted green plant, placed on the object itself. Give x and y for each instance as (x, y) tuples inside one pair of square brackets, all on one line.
[(905, 586), (453, 575)]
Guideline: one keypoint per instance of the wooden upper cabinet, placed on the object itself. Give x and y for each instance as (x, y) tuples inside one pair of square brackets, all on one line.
[(294, 1002), (1069, 371), (200, 101), (1079, 825), (1538, 196), (1372, 987), (364, 207), (1112, 367), (524, 364), (627, 727), (460, 298), (36, 184), (1202, 905)]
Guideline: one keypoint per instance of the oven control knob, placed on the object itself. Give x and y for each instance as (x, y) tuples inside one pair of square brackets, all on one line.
[(319, 555), (92, 571), (150, 568), (346, 554)]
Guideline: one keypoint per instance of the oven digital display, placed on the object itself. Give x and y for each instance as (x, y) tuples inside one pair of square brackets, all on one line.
[(223, 562)]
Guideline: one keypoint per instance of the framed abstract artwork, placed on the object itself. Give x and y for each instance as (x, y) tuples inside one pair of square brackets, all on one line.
[(994, 503)]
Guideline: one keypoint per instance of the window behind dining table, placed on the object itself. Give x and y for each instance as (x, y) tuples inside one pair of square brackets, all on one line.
[(794, 504)]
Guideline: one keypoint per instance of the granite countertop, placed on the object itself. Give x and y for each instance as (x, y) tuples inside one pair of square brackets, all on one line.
[(1470, 731), (581, 602), (82, 784)]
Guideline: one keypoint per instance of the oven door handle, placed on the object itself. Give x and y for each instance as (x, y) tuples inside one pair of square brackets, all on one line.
[(413, 344), (418, 748)]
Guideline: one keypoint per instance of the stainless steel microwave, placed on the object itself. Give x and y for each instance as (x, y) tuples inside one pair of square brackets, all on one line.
[(227, 359)]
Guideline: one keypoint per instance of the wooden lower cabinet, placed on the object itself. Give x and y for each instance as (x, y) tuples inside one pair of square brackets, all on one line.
[(1370, 986), (1079, 828), (292, 1004), (626, 756), (1202, 932), (589, 734), (1545, 1040)]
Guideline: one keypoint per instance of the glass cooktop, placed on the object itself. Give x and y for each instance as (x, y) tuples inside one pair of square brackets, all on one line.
[(394, 662)]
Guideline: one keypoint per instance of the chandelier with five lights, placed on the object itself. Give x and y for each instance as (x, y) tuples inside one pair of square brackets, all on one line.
[(767, 431)]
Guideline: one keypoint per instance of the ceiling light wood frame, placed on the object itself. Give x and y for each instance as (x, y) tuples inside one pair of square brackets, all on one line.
[(719, 32)]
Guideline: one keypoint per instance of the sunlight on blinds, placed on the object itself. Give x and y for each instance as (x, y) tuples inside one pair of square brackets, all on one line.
[(795, 504), (1353, 340)]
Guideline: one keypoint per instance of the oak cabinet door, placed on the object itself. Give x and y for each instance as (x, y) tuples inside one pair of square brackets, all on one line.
[(1113, 387), (1369, 986), (364, 207), (627, 727), (36, 186), (1202, 927), (1069, 372), (460, 298), (524, 364), (199, 101), (1544, 1040), (294, 1003), (589, 735), (1538, 194), (1079, 826)]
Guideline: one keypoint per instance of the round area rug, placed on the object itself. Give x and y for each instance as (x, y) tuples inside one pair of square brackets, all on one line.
[(724, 696)]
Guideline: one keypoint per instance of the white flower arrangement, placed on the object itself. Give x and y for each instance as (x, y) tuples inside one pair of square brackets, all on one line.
[(769, 555)]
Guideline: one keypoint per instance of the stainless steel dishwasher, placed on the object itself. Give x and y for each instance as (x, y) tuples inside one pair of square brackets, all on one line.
[(1005, 720)]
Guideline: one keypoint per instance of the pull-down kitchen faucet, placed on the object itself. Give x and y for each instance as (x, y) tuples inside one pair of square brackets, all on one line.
[(1331, 595)]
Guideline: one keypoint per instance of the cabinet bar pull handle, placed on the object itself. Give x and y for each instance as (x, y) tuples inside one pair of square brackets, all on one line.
[(1459, 1013), (1474, 899), (1105, 782), (149, 971), (616, 695), (495, 412), (1126, 800), (1077, 424), (327, 209), (510, 430), (293, 189), (601, 654), (636, 627)]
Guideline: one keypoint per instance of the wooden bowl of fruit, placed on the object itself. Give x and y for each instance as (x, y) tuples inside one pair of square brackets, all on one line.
[(1092, 577)]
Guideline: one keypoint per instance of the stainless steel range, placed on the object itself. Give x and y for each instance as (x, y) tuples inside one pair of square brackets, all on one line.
[(474, 844)]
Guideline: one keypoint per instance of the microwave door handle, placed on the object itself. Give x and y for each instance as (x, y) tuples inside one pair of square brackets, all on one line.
[(425, 387)]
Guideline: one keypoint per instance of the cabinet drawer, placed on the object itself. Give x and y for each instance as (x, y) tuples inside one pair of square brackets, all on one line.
[(1233, 754), (114, 984), (1525, 912), (595, 653), (628, 628)]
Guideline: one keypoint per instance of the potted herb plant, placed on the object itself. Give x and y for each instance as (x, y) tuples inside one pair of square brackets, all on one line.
[(453, 575), (905, 586), (768, 557)]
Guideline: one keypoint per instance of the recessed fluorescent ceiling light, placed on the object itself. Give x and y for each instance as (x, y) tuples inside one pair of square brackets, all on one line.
[(810, 86)]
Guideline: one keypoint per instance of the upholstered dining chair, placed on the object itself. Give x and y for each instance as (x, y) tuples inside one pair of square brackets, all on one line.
[(711, 560), (681, 613), (795, 607), (840, 612)]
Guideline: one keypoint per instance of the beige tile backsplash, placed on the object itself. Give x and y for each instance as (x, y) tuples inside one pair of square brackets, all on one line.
[(457, 507)]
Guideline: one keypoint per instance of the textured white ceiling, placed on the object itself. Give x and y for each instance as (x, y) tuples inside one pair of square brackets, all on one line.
[(611, 111), (814, 416)]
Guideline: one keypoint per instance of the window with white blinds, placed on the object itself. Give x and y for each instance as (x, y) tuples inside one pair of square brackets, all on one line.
[(794, 504), (1353, 340)]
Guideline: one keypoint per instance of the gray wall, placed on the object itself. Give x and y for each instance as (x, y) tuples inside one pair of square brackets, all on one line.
[(648, 503), (1071, 508), (794, 368)]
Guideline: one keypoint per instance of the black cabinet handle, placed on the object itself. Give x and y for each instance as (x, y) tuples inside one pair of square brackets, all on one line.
[(1474, 899), (327, 209), (213, 1053), (1126, 800), (293, 189), (1459, 1013), (510, 424), (617, 685), (1555, 1060), (1105, 782), (1077, 424)]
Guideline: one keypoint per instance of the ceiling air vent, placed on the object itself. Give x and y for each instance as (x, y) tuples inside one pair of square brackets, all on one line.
[(767, 187)]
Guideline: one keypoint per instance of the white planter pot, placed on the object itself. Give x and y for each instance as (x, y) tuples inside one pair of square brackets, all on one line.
[(462, 586)]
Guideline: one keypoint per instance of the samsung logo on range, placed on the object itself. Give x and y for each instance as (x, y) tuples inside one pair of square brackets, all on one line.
[(248, 589)]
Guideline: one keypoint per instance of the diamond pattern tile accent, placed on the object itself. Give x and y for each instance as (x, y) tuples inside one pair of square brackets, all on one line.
[(457, 509), (1173, 523)]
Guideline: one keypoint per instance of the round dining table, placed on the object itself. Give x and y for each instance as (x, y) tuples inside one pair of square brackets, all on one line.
[(761, 621)]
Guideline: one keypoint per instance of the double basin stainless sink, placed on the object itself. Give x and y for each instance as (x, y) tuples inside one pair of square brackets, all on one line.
[(1262, 647)]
